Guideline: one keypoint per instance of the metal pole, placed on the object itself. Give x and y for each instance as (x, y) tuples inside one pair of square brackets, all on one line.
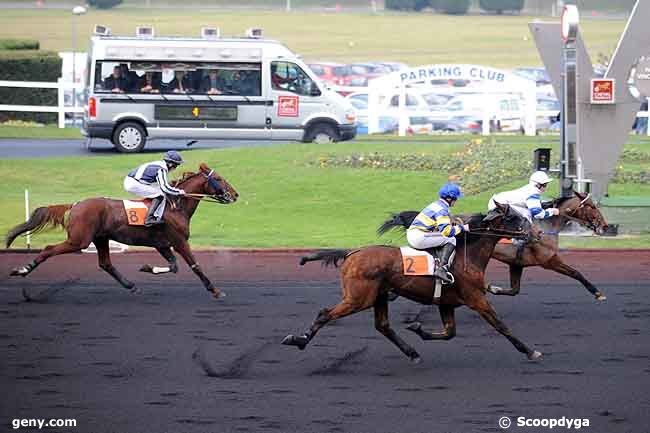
[(288, 5), (29, 233), (74, 67), (569, 136)]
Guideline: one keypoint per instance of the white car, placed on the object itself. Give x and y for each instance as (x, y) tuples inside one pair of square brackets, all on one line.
[(505, 111)]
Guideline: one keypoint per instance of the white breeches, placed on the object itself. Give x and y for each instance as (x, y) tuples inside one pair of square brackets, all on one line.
[(145, 191), (422, 240)]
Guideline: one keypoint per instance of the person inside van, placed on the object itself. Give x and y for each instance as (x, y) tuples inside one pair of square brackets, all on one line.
[(246, 83), (212, 83), (150, 83), (115, 82), (131, 77), (180, 83), (278, 82)]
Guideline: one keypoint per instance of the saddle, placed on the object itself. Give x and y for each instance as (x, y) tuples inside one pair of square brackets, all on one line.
[(422, 263)]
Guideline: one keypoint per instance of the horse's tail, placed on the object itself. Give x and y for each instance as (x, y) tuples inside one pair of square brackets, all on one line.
[(329, 257), (398, 221), (47, 217)]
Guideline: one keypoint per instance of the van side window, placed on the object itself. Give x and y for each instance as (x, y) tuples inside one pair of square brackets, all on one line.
[(195, 78), (290, 77)]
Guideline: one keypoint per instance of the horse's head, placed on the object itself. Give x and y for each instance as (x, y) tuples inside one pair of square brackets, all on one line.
[(216, 186), (583, 209), (506, 221)]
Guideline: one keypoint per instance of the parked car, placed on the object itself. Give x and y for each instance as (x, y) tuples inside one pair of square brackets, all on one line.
[(505, 110), (394, 66), (547, 104), (538, 75), (337, 74)]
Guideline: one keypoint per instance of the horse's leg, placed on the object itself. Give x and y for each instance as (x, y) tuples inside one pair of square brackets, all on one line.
[(326, 315), (515, 283), (383, 326), (183, 248), (104, 259), (68, 246), (448, 320), (168, 254), (556, 264), (481, 305)]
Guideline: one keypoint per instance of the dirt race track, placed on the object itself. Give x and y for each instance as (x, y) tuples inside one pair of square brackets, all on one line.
[(174, 360)]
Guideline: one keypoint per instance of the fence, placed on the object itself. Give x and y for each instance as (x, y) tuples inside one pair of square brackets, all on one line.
[(61, 109)]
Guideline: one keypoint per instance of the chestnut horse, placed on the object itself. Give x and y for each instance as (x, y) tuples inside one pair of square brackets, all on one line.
[(99, 220), (543, 252), (370, 273)]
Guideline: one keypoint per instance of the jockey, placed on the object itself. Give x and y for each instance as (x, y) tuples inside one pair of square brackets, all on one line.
[(433, 228), (526, 200), (150, 181)]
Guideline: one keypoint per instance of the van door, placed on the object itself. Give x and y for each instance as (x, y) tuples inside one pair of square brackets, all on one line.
[(290, 92)]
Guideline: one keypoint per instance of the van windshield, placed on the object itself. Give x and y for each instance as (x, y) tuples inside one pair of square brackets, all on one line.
[(201, 78)]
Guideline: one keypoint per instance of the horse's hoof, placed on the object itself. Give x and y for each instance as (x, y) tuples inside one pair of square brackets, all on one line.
[(416, 359), (135, 290), (146, 268), (20, 272), (415, 327), (494, 289), (292, 340), (218, 293), (600, 297), (534, 355)]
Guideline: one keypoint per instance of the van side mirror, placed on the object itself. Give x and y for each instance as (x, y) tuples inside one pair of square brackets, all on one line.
[(314, 90)]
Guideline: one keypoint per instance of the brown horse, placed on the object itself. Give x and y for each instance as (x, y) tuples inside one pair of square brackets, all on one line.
[(542, 252), (99, 220), (369, 274)]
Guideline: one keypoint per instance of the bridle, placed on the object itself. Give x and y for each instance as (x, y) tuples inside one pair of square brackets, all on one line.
[(571, 212), (221, 196)]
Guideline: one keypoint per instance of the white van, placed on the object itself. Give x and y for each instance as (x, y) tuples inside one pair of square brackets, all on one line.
[(148, 87)]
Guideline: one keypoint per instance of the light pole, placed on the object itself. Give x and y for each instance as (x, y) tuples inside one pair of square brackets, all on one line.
[(77, 10)]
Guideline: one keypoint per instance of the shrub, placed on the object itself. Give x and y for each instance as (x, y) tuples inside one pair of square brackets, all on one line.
[(400, 5), (19, 44), (499, 6), (104, 4), (29, 66), (452, 7)]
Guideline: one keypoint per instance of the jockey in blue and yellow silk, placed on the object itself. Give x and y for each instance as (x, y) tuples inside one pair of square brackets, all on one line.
[(433, 228)]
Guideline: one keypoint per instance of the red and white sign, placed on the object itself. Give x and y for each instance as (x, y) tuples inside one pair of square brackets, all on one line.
[(603, 91), (288, 106)]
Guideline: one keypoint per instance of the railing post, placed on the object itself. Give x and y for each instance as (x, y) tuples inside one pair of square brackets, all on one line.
[(61, 102)]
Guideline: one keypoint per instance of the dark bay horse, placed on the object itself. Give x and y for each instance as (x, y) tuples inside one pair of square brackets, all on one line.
[(544, 251), (99, 220), (370, 273)]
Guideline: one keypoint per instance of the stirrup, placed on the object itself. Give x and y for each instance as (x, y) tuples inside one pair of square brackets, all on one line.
[(153, 222)]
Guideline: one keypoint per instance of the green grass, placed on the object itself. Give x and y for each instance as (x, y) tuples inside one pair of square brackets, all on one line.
[(47, 131), (285, 201), (416, 39)]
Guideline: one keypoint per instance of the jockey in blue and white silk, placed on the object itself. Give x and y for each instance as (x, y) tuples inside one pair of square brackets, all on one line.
[(433, 228), (149, 180), (527, 199)]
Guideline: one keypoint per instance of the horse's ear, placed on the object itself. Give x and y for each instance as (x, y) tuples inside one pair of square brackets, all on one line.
[(580, 195), (503, 208), (204, 167)]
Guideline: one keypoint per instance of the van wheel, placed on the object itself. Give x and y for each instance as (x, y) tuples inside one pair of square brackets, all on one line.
[(323, 133), (129, 137)]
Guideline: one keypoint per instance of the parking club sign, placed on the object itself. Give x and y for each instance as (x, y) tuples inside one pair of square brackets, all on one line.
[(603, 91)]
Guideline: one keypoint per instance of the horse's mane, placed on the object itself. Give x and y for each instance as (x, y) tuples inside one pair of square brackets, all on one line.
[(556, 202), (184, 177)]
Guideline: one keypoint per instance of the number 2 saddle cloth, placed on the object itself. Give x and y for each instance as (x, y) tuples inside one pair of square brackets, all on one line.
[(420, 263), (136, 211)]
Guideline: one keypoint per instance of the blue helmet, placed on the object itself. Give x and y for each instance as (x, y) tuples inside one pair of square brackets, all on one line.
[(173, 157), (450, 190)]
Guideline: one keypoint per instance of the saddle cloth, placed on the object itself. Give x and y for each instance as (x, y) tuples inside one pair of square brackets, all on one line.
[(136, 211), (417, 262)]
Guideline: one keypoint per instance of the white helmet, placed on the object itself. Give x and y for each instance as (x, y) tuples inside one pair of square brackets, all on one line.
[(540, 177)]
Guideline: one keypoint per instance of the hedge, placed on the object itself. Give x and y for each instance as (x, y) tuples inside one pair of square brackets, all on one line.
[(19, 44), (499, 6), (27, 65), (452, 7), (104, 4)]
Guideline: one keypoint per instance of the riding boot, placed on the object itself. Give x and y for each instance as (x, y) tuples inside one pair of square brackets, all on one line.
[(442, 271), (151, 219)]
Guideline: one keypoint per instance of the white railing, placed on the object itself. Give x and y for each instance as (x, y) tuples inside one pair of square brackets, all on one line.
[(60, 108)]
